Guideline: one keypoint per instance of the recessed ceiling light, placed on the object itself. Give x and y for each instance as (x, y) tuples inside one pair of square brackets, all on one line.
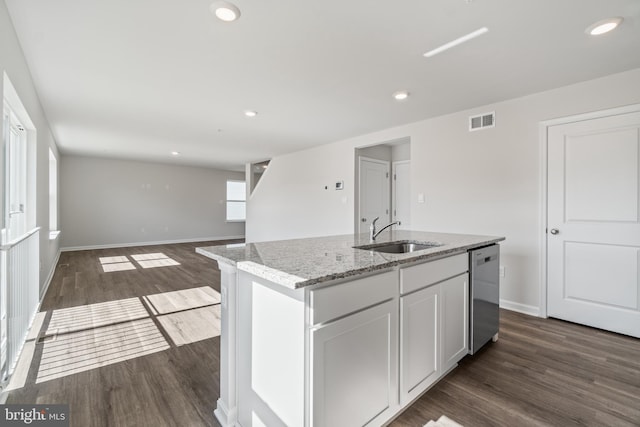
[(175, 153), (457, 41), (400, 95), (250, 113), (603, 26), (225, 11)]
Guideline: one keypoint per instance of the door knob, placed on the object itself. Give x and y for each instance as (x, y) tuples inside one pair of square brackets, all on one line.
[(554, 231)]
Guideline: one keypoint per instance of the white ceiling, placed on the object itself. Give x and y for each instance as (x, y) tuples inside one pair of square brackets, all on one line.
[(139, 79)]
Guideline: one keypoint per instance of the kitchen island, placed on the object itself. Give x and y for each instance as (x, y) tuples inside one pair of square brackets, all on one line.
[(316, 332)]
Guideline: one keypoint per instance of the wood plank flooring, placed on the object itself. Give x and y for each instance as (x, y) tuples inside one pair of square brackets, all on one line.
[(171, 386), (542, 372)]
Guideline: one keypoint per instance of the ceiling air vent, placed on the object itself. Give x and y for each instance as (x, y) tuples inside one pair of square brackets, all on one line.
[(482, 121)]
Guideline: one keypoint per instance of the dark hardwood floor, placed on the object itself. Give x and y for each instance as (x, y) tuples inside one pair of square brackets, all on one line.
[(79, 278), (541, 372), (174, 387)]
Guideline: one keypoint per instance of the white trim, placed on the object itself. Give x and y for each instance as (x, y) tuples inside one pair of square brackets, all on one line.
[(592, 115), (542, 222), (12, 98), (8, 245), (394, 193), (531, 310), (223, 415), (49, 278), (227, 406), (544, 127), (160, 242)]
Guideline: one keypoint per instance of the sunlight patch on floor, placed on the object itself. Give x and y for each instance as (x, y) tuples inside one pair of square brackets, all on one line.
[(170, 302), (95, 315), (75, 352), (123, 263), (189, 326), (154, 260), (91, 336), (118, 266), (158, 263), (112, 259)]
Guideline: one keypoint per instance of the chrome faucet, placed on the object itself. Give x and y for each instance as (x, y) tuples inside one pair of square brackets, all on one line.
[(372, 228)]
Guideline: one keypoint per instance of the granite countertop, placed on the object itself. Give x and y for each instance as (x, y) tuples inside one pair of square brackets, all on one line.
[(304, 262)]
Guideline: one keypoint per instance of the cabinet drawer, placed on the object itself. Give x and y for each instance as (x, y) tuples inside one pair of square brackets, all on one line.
[(344, 298), (419, 276)]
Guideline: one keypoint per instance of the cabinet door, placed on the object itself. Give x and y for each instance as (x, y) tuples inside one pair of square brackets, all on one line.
[(419, 351), (455, 320), (354, 368)]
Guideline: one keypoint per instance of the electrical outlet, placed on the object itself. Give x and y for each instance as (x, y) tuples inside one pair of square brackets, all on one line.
[(501, 271)]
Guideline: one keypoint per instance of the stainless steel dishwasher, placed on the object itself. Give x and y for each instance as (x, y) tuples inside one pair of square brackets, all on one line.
[(484, 296)]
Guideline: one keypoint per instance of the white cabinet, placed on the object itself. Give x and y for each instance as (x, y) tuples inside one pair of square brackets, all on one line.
[(433, 322), (419, 338), (421, 275), (354, 368), (455, 320), (349, 353)]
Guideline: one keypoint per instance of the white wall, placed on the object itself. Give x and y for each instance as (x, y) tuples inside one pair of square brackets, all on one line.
[(401, 152), (378, 152), (485, 182), (291, 200), (13, 63), (108, 202)]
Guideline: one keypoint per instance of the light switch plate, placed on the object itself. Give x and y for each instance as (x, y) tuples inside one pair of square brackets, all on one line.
[(421, 198)]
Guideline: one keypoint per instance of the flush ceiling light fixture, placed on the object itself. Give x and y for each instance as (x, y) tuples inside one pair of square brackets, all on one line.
[(400, 95), (225, 11), (457, 41), (175, 153), (603, 26), (250, 113)]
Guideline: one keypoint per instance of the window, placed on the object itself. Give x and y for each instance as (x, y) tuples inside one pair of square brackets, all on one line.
[(236, 200), (53, 194), (16, 155)]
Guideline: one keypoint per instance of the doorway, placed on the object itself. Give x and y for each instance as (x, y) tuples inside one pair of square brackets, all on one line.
[(374, 192), (382, 184), (593, 220), (19, 236)]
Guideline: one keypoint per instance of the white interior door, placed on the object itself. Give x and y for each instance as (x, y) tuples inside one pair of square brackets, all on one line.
[(593, 240), (374, 192), (401, 193)]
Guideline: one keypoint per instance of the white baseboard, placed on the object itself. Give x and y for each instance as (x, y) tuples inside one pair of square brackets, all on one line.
[(531, 310), (161, 242), (49, 278)]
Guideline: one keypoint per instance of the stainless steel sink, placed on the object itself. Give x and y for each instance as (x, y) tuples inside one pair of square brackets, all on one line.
[(401, 247)]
